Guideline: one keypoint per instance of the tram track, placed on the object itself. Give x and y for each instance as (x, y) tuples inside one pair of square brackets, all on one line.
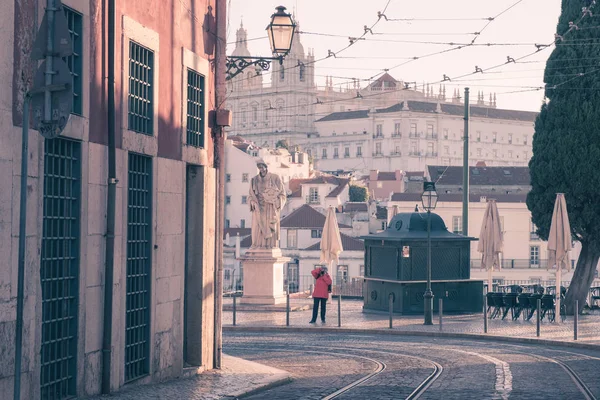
[(502, 387), (437, 368)]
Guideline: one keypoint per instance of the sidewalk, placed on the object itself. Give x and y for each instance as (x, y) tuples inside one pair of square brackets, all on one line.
[(237, 377), (354, 318)]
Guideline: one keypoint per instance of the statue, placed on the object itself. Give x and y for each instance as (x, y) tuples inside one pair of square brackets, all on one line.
[(267, 198)]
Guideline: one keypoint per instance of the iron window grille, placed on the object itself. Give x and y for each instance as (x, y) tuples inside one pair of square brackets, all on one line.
[(139, 264), (141, 86), (74, 61), (195, 109), (59, 268)]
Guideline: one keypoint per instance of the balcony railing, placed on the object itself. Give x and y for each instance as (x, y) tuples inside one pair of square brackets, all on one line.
[(432, 154), (313, 199), (336, 156), (517, 264), (533, 236), (377, 154), (378, 136), (413, 135), (396, 135), (432, 136), (396, 153), (415, 153)]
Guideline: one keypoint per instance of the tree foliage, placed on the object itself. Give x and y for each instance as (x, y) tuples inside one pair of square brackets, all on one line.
[(566, 143), (358, 193), (282, 144)]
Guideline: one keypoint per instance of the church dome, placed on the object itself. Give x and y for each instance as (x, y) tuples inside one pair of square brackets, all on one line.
[(241, 43)]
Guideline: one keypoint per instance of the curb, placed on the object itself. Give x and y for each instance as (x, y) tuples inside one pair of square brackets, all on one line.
[(277, 380), (481, 337)]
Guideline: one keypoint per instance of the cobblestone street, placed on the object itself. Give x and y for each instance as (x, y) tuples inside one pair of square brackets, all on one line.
[(322, 364)]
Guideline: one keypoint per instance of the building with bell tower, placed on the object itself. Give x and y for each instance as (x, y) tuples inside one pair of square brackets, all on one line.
[(280, 109)]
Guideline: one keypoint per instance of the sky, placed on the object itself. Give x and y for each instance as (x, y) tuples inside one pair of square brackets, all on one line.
[(329, 23)]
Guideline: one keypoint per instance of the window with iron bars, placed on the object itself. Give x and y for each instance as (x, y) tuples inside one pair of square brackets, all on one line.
[(74, 61), (59, 268), (195, 109), (138, 267), (141, 86)]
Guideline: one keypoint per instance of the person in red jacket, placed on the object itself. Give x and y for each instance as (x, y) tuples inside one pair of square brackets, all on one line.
[(321, 292)]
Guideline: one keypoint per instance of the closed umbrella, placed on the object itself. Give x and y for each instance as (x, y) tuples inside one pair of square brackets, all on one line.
[(331, 241), (559, 243), (490, 240)]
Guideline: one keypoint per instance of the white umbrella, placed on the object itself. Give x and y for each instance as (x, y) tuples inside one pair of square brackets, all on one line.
[(331, 241), (490, 240), (559, 244)]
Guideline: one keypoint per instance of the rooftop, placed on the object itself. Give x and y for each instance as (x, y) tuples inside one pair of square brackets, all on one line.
[(348, 243), (356, 207), (457, 197), (482, 176), (306, 217), (341, 183), (431, 107)]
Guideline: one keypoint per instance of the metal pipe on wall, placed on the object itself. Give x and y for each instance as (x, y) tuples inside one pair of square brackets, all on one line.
[(219, 137), (22, 246), (110, 207)]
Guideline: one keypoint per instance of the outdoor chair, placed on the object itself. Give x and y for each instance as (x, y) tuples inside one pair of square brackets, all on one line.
[(523, 305), (533, 298), (510, 304), (548, 307), (490, 302), (499, 306)]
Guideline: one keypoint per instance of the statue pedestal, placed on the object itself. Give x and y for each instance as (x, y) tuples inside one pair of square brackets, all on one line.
[(263, 277)]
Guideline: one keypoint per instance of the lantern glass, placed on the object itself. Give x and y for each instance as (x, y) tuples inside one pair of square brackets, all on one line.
[(281, 32), (429, 197)]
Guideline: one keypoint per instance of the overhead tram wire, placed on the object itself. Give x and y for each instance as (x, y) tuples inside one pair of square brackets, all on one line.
[(510, 60), (539, 49), (492, 19), (329, 55)]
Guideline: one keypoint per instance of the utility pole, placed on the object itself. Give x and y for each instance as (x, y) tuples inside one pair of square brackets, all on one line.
[(465, 210)]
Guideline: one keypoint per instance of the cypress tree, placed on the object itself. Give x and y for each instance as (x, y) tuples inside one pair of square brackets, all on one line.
[(566, 143)]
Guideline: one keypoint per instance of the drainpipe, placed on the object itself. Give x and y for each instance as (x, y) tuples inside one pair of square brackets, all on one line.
[(110, 207), (22, 243), (219, 138)]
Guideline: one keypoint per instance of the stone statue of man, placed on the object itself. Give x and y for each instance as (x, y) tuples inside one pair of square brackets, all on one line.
[(267, 198)]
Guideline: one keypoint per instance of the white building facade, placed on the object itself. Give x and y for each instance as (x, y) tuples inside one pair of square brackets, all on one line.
[(413, 134)]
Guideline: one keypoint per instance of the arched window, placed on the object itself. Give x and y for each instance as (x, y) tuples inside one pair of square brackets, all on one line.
[(254, 107), (266, 105), (303, 112), (301, 73), (281, 73), (279, 105), (243, 113)]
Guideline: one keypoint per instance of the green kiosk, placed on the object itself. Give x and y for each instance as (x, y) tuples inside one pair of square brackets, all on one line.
[(396, 265)]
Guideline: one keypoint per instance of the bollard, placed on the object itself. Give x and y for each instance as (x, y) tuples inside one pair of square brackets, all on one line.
[(339, 310), (441, 307), (485, 320), (234, 309), (391, 309), (287, 306), (575, 319), (537, 317)]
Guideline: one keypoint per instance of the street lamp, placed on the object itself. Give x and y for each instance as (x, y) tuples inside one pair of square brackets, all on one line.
[(429, 199), (280, 31)]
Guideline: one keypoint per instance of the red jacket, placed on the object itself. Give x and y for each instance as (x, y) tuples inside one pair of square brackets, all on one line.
[(321, 285)]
